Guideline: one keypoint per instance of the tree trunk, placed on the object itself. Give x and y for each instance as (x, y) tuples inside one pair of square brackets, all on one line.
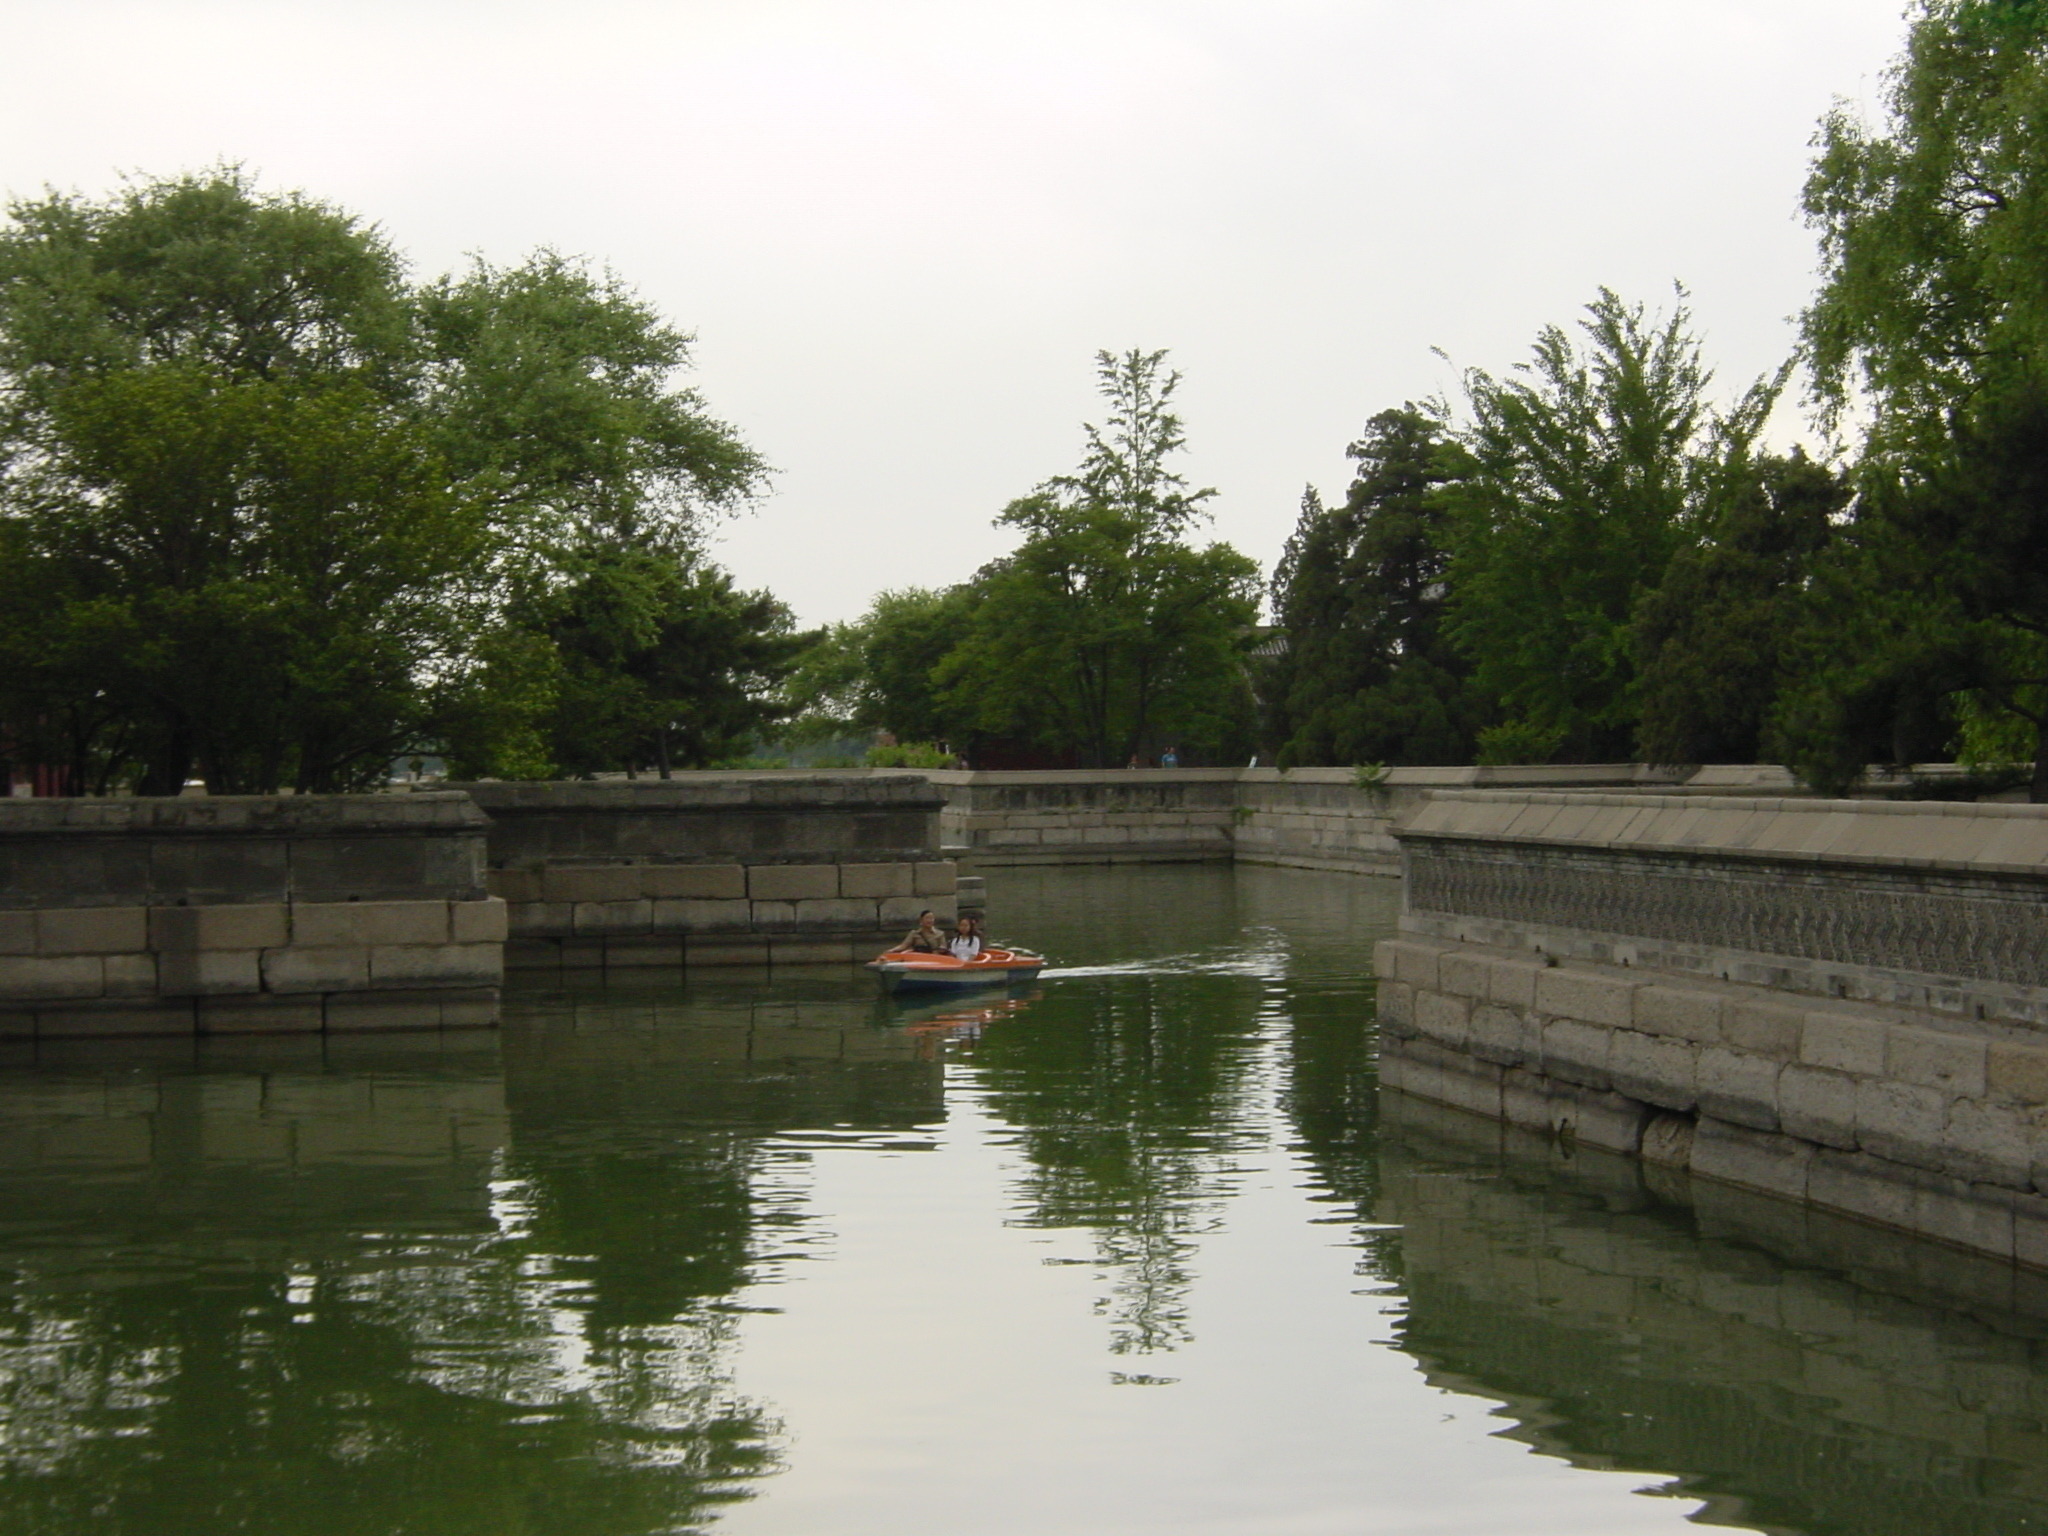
[(169, 765), (2037, 791)]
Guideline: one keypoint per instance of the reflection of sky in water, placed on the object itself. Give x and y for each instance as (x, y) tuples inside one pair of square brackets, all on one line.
[(1136, 1249)]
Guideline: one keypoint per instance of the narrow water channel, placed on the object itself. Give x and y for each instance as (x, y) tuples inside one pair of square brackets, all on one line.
[(1140, 1250)]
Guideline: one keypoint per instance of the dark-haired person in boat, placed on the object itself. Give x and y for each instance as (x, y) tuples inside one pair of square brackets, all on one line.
[(927, 938), (965, 943)]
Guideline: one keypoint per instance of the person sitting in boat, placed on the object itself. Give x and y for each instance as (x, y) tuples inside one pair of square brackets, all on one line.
[(927, 938), (965, 943)]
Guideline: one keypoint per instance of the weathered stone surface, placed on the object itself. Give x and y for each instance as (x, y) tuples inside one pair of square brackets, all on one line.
[(253, 925), (1734, 1154), (1395, 1006), (1933, 1058), (1504, 1036), (1442, 1018), (1576, 1052), (447, 965), (1843, 1043), (1681, 1013), (937, 878), (1818, 1105), (326, 924), (303, 968), (594, 883), (838, 912), (1990, 1143), (209, 972), (1512, 982), (1739, 1088), (478, 922), (792, 882), (706, 916), (91, 930), (1587, 998), (877, 880), (1653, 1068), (2018, 1071), (604, 917), (698, 882), (1764, 1028), (1900, 1122)]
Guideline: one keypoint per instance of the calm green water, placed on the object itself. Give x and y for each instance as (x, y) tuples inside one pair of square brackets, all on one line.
[(1141, 1252)]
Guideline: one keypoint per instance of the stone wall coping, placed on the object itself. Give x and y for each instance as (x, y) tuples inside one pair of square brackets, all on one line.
[(1969, 837), (766, 791), (289, 816)]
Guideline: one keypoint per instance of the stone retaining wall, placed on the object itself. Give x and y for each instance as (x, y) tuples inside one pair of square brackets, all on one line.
[(213, 915), (1834, 1001), (1307, 818), (727, 869)]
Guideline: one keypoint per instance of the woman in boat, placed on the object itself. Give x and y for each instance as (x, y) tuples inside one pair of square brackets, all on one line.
[(927, 938), (965, 943)]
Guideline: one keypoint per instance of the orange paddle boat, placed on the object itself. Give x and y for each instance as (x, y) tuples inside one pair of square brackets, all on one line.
[(906, 970)]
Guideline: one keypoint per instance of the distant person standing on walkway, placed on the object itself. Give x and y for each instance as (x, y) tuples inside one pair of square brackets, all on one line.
[(1170, 758)]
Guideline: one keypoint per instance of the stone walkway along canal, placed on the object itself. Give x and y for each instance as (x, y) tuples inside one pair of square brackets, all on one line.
[(1146, 1251)]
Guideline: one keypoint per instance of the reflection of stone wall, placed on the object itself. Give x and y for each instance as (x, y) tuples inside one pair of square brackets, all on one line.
[(260, 1144), (212, 915), (1831, 1001), (714, 869), (1794, 1371)]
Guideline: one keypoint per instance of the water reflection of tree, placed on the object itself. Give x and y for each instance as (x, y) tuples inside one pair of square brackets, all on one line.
[(1128, 1098), (1332, 1098), (214, 1347)]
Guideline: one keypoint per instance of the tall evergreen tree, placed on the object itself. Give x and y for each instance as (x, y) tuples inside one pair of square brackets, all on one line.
[(1368, 674)]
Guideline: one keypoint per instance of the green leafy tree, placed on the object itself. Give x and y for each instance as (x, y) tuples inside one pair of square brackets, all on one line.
[(1931, 325), (1589, 468), (1105, 631), (271, 513), (1368, 675), (1718, 640), (237, 551)]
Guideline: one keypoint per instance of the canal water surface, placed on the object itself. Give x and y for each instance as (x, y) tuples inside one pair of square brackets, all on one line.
[(1139, 1250)]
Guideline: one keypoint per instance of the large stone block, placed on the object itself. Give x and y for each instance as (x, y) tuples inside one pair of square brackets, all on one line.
[(347, 1012), (92, 930), (112, 1020), (1443, 1018), (1512, 983), (1991, 1143), (1818, 1105), (251, 925), (131, 975), (607, 917), (2017, 1071), (1935, 1058), (684, 915), (803, 950), (1739, 1088), (591, 883), (696, 882), (1764, 1029), (1843, 1043), (792, 882), (209, 972), (1900, 1122), (937, 878), (305, 968), (1408, 961), (902, 912), (1591, 999), (1395, 1007), (322, 925), (1464, 973), (1681, 1013), (441, 965), (1778, 1165), (262, 1014), (838, 912), (478, 922), (1653, 1068), (516, 885), (1505, 1036), (877, 880), (1576, 1052)]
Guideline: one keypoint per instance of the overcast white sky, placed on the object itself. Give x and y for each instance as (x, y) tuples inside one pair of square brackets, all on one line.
[(900, 230)]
